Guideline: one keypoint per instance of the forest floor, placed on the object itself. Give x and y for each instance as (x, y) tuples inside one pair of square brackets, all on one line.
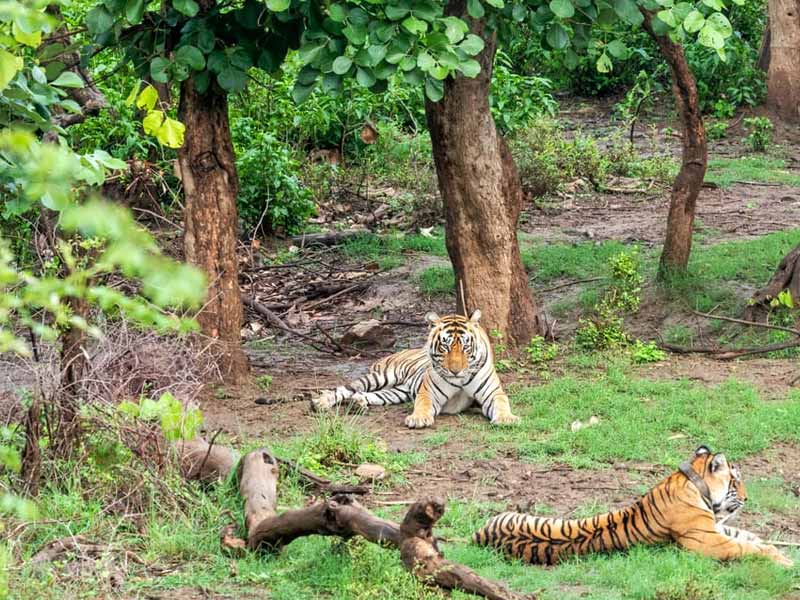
[(650, 416)]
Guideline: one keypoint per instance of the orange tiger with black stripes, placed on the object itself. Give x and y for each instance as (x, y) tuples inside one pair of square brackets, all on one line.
[(688, 507), (454, 370)]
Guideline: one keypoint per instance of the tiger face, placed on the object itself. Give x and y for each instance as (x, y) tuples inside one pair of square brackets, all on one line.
[(728, 493), (453, 344)]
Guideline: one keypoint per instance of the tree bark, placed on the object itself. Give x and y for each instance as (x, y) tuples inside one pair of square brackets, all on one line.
[(482, 198), (694, 158), (783, 75), (206, 165), (786, 277), (764, 52)]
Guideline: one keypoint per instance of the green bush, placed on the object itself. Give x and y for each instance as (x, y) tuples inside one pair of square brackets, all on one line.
[(760, 136), (518, 100), (546, 158), (271, 195)]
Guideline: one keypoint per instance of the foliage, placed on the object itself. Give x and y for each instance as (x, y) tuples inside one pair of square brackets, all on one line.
[(176, 422), (716, 130), (760, 136), (156, 122), (646, 352), (271, 198), (546, 158), (264, 382), (539, 351), (727, 171), (604, 329), (518, 100)]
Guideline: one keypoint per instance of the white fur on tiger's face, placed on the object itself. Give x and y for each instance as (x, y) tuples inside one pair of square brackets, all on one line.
[(453, 371)]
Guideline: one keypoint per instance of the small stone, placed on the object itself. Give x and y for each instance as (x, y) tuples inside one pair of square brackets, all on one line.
[(370, 472), (369, 334)]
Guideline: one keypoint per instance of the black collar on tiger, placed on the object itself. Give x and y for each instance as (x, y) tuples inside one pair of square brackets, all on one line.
[(702, 486)]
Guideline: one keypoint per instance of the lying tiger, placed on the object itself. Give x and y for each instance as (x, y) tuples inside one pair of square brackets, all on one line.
[(454, 370), (683, 508)]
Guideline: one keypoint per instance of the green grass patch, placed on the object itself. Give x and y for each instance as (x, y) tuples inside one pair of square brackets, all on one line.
[(572, 261), (437, 281), (770, 495), (387, 250), (763, 169), (657, 421)]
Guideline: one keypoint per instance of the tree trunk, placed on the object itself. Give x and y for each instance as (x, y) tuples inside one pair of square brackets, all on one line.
[(783, 76), (206, 165), (764, 53), (482, 198), (73, 364), (694, 158)]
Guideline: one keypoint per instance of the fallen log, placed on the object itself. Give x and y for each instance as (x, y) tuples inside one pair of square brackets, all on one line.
[(342, 516), (330, 238), (786, 277), (203, 461)]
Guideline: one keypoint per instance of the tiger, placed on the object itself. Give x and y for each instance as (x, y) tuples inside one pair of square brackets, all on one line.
[(454, 370), (689, 507)]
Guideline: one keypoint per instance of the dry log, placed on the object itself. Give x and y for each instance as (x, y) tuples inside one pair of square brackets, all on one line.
[(205, 462), (786, 277), (330, 238), (422, 557), (258, 485)]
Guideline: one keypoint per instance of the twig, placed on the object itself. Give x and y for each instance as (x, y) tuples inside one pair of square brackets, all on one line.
[(265, 312), (570, 283), (326, 299), (744, 322), (210, 446), (761, 183)]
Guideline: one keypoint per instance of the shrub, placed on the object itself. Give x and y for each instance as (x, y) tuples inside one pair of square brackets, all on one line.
[(546, 158), (518, 100), (271, 195), (760, 136)]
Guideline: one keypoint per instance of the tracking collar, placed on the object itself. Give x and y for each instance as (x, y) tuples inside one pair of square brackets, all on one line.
[(702, 486)]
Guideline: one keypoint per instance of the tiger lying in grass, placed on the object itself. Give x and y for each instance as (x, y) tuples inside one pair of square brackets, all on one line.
[(683, 508), (454, 370)]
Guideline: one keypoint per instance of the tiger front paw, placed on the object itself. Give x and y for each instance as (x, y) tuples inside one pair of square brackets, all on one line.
[(416, 421), (359, 400), (325, 401), (505, 419), (773, 553)]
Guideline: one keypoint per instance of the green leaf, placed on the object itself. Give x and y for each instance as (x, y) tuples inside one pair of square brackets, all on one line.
[(365, 77), (300, 92), (499, 4), (158, 69), (667, 17), (562, 8), (694, 21), (337, 13), (99, 20), (132, 96), (710, 37), (471, 45), (396, 13), (331, 82), (191, 56), (721, 23), (278, 5), (414, 25), (341, 65), (425, 61), (232, 79), (434, 89), (604, 64), (206, 40), (171, 133), (355, 34), (455, 29), (470, 68), (715, 4), (9, 66), (134, 9), (202, 81), (618, 49), (557, 36), (628, 11), (148, 98), (377, 53), (308, 53), (186, 7), (68, 79), (152, 122), (475, 10)]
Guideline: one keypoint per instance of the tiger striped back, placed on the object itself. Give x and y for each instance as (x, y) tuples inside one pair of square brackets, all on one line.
[(677, 509)]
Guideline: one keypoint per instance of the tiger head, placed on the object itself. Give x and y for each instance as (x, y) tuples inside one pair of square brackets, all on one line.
[(455, 344), (728, 493)]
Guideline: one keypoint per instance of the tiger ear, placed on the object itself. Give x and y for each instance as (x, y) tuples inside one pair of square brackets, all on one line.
[(431, 317), (718, 462), (475, 316), (701, 450)]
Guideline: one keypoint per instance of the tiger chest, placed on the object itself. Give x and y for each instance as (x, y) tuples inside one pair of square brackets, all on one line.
[(457, 403)]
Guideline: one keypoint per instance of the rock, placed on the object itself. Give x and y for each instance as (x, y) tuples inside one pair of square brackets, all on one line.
[(369, 334), (370, 472)]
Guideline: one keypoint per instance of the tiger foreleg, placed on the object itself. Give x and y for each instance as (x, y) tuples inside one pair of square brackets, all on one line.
[(720, 546), (494, 402), (424, 409), (738, 534)]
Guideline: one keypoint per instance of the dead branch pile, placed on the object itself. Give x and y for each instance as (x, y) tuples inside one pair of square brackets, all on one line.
[(338, 515)]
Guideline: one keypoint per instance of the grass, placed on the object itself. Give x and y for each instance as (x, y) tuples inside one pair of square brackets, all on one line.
[(764, 169), (437, 281), (388, 250), (639, 420)]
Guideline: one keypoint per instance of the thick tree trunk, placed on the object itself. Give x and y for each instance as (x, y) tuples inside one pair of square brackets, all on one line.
[(783, 76), (207, 169), (764, 52), (482, 198), (694, 158), (73, 364)]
